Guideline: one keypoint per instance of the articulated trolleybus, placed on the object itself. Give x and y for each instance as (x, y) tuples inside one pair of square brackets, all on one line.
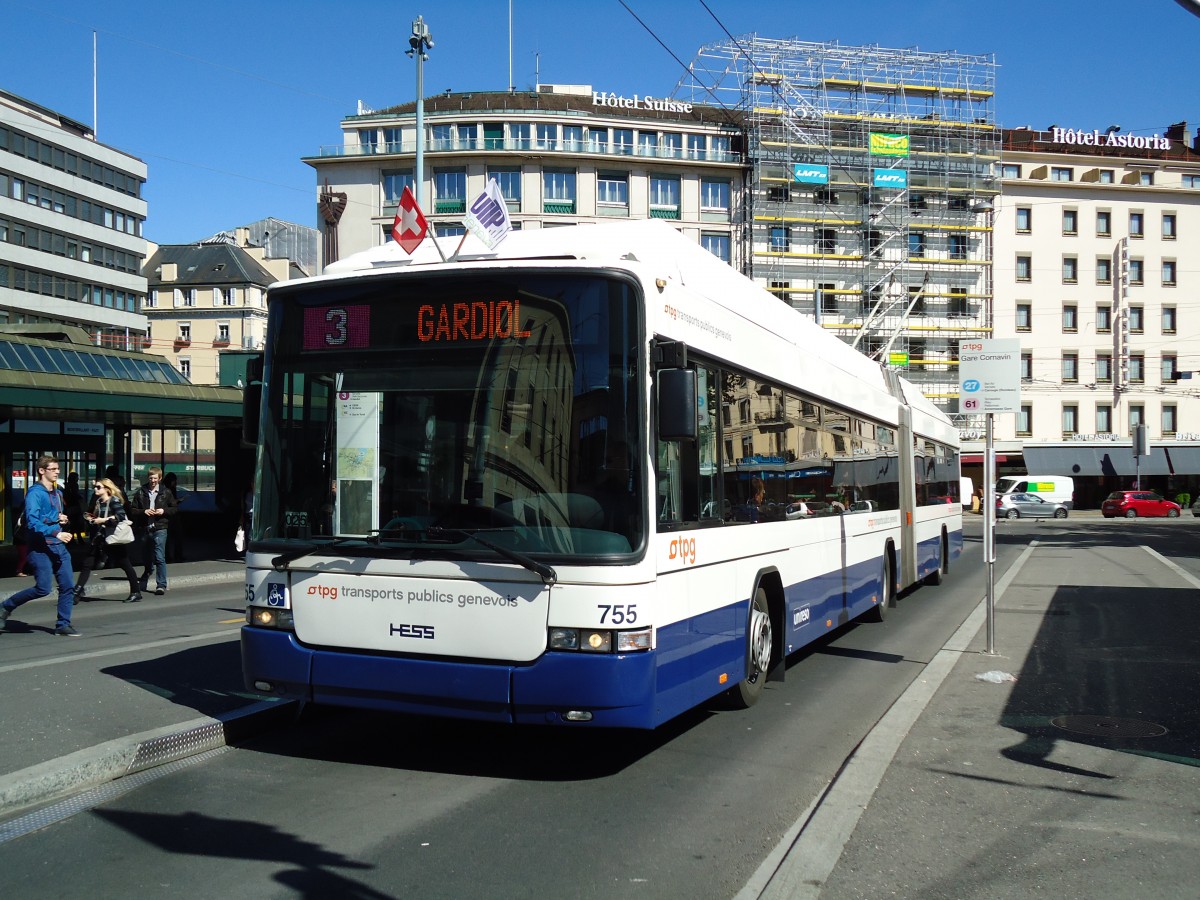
[(595, 477)]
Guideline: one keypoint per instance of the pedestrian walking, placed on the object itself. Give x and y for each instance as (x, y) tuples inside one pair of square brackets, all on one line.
[(48, 534), (153, 507), (109, 511)]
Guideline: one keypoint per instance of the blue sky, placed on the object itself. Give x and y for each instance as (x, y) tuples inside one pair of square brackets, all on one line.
[(222, 99)]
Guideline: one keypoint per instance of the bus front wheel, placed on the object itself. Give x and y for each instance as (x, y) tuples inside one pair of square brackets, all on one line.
[(760, 639)]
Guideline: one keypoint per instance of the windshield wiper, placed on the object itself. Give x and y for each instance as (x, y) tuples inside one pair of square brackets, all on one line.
[(543, 571), (280, 562)]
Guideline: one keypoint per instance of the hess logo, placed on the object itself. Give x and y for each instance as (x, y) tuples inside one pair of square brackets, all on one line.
[(684, 549)]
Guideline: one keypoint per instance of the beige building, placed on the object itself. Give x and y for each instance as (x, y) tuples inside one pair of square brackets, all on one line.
[(561, 154), (1094, 276)]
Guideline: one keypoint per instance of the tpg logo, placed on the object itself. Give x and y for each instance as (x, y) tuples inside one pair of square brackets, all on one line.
[(684, 549), (320, 590)]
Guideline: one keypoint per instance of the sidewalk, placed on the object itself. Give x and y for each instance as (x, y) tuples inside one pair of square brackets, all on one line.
[(1077, 780), (81, 713)]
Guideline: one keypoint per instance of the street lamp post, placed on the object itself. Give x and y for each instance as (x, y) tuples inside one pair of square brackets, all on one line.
[(420, 41)]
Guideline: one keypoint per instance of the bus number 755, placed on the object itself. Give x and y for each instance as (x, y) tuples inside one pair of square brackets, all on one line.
[(620, 614)]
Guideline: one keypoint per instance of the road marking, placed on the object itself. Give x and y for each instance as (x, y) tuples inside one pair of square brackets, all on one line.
[(802, 862), (238, 621), (1181, 572), (113, 651)]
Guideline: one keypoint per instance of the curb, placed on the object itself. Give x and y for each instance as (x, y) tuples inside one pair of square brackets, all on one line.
[(134, 753), (99, 586)]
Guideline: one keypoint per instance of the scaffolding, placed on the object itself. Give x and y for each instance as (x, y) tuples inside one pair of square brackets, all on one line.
[(870, 192)]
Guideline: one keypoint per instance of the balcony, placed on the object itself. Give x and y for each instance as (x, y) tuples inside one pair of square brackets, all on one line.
[(530, 145)]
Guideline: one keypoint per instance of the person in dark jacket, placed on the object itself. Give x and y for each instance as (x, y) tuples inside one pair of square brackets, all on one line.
[(153, 506), (109, 509)]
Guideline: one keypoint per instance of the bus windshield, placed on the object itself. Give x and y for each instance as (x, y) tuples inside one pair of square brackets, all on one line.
[(404, 414)]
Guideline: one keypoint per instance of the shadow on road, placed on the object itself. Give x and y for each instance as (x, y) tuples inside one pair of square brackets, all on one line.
[(207, 679)]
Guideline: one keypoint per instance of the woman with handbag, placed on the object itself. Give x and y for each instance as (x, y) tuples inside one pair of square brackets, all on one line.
[(112, 535)]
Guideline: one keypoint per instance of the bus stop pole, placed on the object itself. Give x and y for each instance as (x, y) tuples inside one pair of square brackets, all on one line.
[(989, 533)]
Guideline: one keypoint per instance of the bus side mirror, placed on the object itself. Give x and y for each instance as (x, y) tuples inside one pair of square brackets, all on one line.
[(252, 401), (678, 412)]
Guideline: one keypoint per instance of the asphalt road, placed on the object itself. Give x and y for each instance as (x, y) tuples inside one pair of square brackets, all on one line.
[(351, 804)]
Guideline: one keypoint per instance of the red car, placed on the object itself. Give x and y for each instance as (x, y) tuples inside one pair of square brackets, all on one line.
[(1132, 504)]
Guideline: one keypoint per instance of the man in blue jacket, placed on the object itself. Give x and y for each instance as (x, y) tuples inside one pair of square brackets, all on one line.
[(49, 533)]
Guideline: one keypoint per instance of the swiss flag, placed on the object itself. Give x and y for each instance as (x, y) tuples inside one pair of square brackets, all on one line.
[(410, 226)]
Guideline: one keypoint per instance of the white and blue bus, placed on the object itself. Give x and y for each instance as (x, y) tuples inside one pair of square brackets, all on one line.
[(593, 477)]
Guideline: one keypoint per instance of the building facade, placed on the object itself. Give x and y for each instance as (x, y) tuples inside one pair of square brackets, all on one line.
[(561, 154), (1094, 276), (71, 216)]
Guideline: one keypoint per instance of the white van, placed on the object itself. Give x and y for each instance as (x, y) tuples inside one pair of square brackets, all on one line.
[(1055, 488)]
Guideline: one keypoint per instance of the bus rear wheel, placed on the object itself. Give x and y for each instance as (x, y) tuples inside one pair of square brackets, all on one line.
[(760, 640), (879, 611)]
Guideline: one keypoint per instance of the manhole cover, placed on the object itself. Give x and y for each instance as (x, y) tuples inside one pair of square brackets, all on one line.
[(1108, 726)]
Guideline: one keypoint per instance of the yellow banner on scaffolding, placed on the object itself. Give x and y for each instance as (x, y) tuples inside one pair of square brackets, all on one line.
[(889, 144)]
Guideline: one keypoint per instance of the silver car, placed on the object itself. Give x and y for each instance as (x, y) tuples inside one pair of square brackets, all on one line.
[(1016, 506)]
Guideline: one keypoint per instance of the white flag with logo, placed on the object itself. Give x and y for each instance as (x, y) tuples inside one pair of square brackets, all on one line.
[(487, 218)]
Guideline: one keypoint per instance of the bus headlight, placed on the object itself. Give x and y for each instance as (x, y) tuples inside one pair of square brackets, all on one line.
[(599, 640), (269, 617)]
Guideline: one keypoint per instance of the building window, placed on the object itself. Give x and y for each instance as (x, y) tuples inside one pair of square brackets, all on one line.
[(449, 190), (916, 244), (1146, 179), (958, 246), (1137, 368), (1008, 170), (509, 181), (958, 303), (441, 137), (695, 146), (1106, 176), (780, 289), (1191, 181), (1168, 420), (1061, 173), (1168, 320), (368, 139), (1136, 272), (716, 244), (1070, 270), (1137, 227), (714, 196), (1025, 420), (1168, 226), (1024, 219), (664, 196), (1168, 273), (623, 141), (1024, 268), (1103, 270), (780, 239), (1024, 317), (1170, 368), (144, 442), (222, 332), (1136, 319), (185, 441), (672, 145), (647, 143), (545, 136), (558, 190), (827, 241), (612, 189), (1103, 223), (827, 299), (1070, 221), (394, 183), (185, 367), (1070, 317), (1137, 416), (1103, 418), (185, 333), (189, 297), (1070, 367), (392, 140), (1103, 368), (1026, 365), (1070, 419)]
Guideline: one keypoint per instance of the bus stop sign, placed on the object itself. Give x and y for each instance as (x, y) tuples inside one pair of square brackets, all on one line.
[(989, 376)]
